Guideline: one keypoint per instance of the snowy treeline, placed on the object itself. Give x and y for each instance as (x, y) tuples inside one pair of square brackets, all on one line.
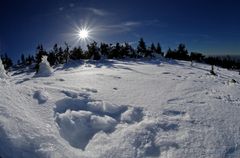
[(95, 51)]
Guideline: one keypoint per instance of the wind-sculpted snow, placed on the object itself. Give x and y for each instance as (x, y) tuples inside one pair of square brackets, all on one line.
[(86, 123), (173, 113), (80, 119), (89, 125)]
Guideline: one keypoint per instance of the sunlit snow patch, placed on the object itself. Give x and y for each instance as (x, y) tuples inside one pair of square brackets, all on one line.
[(80, 119)]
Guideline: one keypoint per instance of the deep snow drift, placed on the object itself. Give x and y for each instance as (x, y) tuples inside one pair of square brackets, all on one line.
[(166, 109)]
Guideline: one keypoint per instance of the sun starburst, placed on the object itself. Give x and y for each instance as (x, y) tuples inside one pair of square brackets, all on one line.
[(83, 34)]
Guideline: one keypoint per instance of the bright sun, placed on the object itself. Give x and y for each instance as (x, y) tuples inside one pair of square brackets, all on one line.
[(83, 34)]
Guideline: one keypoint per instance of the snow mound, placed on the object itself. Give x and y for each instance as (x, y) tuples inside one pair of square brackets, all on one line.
[(87, 104), (133, 114), (105, 108), (45, 69), (80, 119), (78, 127), (3, 74), (41, 96)]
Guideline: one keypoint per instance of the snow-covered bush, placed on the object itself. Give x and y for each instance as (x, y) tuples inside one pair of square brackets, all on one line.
[(44, 69), (2, 71)]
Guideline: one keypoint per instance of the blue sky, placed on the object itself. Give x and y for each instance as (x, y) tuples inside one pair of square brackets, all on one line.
[(207, 26)]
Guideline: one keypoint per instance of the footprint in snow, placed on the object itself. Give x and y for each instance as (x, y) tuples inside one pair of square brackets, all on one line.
[(191, 73), (174, 100), (173, 113), (60, 79), (90, 90), (48, 83), (115, 77), (73, 94), (166, 73), (70, 94), (23, 80), (195, 102)]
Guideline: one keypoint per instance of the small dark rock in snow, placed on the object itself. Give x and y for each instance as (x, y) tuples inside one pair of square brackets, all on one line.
[(233, 81)]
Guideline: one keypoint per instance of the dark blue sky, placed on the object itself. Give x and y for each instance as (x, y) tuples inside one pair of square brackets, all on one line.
[(207, 26)]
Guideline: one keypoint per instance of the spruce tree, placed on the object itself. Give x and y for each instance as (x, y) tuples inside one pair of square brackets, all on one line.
[(60, 55), (40, 53), (23, 59), (93, 51), (182, 52), (6, 61), (170, 53), (141, 48), (52, 59), (104, 49), (66, 53), (128, 50), (159, 49), (153, 48), (29, 60), (115, 52), (77, 53)]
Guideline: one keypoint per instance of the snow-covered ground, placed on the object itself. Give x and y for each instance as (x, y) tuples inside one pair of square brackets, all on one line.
[(121, 109)]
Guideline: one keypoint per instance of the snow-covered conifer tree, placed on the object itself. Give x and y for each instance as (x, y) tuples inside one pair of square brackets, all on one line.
[(2, 71), (44, 69)]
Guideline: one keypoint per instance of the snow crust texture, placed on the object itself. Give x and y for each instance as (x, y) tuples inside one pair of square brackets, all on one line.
[(80, 119)]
